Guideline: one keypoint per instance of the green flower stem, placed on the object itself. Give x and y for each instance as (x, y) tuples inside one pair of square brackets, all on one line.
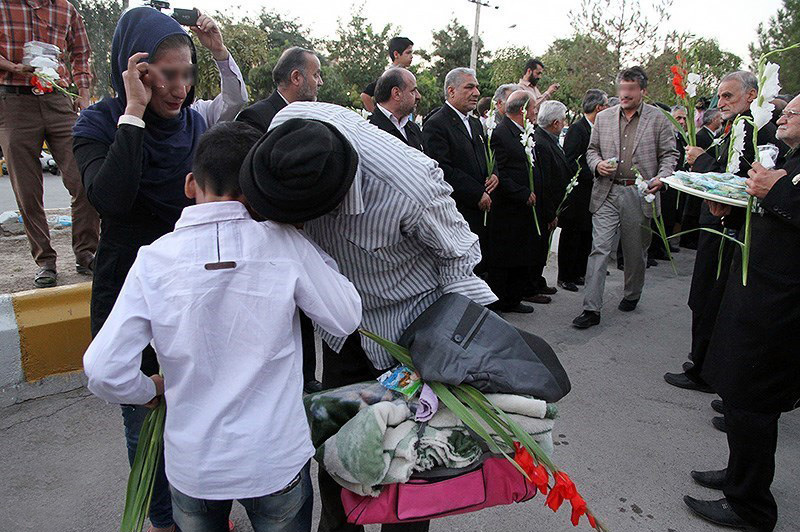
[(662, 232), (533, 207)]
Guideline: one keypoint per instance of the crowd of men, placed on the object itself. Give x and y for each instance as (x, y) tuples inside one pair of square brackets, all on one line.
[(514, 177)]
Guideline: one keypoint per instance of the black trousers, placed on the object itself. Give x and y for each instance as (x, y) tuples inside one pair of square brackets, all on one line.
[(309, 349), (752, 442), (349, 366), (574, 246), (508, 284)]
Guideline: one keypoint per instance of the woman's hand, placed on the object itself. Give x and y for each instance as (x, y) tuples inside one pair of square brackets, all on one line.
[(139, 79), (209, 35)]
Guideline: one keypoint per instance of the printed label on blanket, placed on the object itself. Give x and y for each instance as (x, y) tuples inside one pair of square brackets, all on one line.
[(401, 379)]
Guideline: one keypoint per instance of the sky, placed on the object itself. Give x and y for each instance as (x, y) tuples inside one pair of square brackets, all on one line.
[(535, 23)]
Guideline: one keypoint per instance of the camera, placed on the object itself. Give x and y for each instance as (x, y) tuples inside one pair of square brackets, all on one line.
[(185, 17)]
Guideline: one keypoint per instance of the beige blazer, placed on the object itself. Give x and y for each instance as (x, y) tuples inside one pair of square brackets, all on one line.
[(655, 151)]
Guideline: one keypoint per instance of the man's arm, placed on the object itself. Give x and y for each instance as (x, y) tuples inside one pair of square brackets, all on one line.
[(444, 231), (79, 53), (466, 189), (594, 155), (667, 149), (325, 295), (114, 357)]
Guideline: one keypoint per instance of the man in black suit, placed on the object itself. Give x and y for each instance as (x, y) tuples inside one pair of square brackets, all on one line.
[(752, 361), (575, 242), (690, 219), (396, 97), (512, 229), (709, 280), (550, 120), (455, 140), (297, 76)]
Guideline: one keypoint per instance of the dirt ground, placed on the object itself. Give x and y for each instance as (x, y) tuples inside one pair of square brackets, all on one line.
[(17, 268)]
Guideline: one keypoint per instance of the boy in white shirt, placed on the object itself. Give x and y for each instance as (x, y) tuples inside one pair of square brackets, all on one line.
[(219, 298)]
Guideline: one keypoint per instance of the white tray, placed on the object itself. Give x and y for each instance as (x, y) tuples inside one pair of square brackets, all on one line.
[(678, 185)]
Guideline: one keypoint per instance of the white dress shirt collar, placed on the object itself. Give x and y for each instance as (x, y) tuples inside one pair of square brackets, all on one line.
[(464, 118), (399, 124), (217, 211), (282, 96)]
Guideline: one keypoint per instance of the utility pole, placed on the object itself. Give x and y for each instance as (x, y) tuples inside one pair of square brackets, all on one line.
[(473, 57)]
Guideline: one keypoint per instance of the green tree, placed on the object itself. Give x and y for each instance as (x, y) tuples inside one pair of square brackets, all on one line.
[(703, 57), (452, 46), (100, 18), (508, 64), (358, 53), (630, 34), (578, 64), (782, 30), (430, 90)]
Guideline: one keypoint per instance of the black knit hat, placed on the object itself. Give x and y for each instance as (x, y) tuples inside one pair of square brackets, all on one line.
[(299, 171)]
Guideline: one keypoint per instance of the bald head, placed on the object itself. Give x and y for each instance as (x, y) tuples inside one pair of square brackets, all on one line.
[(518, 102)]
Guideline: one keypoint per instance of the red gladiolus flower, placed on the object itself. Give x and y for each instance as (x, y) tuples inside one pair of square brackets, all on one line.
[(43, 87), (592, 520), (537, 473), (677, 81), (563, 488), (578, 509)]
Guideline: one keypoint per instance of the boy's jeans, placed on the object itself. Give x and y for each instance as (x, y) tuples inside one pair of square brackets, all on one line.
[(160, 505), (288, 510)]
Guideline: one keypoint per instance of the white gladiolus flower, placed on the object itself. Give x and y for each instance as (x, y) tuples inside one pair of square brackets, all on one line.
[(769, 88), (762, 114), (693, 80), (642, 185), (737, 146), (491, 123)]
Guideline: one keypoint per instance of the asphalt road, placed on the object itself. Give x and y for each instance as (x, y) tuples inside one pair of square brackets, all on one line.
[(55, 194), (627, 438)]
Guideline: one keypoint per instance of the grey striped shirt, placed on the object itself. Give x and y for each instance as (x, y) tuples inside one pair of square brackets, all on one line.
[(397, 235)]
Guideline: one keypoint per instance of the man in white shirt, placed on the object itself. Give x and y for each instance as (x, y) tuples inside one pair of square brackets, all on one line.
[(219, 298)]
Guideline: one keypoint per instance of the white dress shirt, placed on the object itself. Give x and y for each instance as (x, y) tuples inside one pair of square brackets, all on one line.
[(228, 342), (397, 235), (399, 124), (464, 118)]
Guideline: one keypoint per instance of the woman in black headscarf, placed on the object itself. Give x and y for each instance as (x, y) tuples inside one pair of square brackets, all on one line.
[(134, 152)]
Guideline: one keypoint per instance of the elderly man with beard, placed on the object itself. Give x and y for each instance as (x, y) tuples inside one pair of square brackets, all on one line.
[(396, 97), (752, 360), (455, 140), (736, 92)]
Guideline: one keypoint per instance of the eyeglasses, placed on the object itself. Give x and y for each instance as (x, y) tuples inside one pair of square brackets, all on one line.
[(787, 114)]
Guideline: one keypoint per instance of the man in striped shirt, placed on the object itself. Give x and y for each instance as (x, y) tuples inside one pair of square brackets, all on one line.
[(29, 117), (398, 237)]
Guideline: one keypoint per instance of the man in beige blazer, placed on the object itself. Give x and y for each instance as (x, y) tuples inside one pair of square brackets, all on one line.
[(628, 137)]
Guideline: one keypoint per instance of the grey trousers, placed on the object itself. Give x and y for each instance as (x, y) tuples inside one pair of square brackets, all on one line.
[(621, 210)]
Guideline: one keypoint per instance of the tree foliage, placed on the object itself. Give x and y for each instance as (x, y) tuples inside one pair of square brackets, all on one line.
[(508, 64), (782, 30), (631, 35), (100, 18), (578, 64)]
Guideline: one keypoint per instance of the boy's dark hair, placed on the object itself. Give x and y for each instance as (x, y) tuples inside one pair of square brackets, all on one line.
[(219, 155), (636, 73), (399, 45), (484, 104)]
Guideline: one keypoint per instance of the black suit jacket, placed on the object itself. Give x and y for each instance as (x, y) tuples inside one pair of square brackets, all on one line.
[(553, 165), (413, 132), (704, 138), (752, 361), (576, 212), (461, 158), (260, 114), (512, 230)]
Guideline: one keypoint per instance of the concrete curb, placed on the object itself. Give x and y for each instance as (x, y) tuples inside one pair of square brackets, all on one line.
[(43, 336)]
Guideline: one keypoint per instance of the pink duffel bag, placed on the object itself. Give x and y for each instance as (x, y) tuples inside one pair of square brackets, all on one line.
[(494, 483)]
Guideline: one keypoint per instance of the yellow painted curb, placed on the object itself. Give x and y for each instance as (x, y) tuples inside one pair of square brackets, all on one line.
[(53, 329)]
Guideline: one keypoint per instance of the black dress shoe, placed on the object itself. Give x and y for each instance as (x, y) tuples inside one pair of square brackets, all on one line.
[(681, 380), (312, 386), (519, 308), (714, 480), (627, 305), (548, 290), (587, 319), (718, 406), (580, 281), (719, 423), (718, 512), (651, 262), (568, 286), (539, 299)]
